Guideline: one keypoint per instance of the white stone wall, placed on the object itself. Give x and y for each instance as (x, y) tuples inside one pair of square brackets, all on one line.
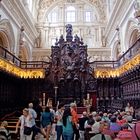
[(108, 37), (91, 32), (120, 27), (15, 13)]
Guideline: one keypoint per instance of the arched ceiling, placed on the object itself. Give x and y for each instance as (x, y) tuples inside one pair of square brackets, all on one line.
[(44, 5)]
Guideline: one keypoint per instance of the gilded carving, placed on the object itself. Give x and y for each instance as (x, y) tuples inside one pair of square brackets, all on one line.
[(110, 72), (22, 73)]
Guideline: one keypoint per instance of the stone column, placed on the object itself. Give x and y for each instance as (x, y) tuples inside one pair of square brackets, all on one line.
[(81, 13), (42, 41), (46, 37), (100, 36)]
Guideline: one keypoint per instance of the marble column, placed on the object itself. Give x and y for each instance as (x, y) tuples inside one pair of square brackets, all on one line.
[(46, 30)]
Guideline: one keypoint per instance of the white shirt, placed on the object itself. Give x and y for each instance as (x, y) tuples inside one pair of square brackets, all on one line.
[(25, 121)]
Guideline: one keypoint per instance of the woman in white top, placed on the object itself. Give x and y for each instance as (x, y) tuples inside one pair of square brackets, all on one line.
[(129, 109), (24, 120)]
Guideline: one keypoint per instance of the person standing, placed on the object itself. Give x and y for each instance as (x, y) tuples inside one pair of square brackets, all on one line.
[(25, 121), (33, 114), (67, 125), (75, 120), (46, 121), (59, 124), (129, 109), (82, 121)]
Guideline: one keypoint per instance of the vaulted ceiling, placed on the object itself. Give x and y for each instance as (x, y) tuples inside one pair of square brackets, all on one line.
[(43, 6)]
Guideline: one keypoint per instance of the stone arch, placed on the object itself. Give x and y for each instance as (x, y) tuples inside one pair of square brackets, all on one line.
[(133, 37), (24, 52), (4, 42), (116, 50), (131, 34), (52, 5), (7, 35)]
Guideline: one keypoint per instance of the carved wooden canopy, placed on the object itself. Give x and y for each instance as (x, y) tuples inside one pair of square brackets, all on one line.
[(69, 65)]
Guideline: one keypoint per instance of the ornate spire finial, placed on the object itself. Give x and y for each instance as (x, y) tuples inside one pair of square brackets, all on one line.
[(69, 29)]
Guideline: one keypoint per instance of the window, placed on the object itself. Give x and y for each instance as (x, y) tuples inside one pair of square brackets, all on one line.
[(88, 16), (70, 14), (52, 17)]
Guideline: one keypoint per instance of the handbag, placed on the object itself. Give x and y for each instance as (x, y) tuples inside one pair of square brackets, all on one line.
[(27, 130)]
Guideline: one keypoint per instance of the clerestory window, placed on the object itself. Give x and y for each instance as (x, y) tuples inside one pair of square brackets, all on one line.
[(70, 14)]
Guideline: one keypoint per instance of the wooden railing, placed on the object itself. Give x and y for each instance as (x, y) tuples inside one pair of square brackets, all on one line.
[(131, 52), (7, 55)]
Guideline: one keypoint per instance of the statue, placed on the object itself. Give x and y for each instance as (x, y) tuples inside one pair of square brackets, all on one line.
[(69, 36), (69, 29)]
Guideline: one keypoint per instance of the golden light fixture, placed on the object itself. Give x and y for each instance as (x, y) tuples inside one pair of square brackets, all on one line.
[(111, 72), (22, 73)]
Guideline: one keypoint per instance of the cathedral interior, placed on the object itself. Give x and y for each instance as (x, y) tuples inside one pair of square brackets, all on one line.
[(55, 51)]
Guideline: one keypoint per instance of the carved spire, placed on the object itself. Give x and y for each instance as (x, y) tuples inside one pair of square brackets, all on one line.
[(69, 29)]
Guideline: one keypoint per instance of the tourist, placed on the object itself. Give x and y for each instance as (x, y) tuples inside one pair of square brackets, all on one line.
[(113, 125), (4, 132), (82, 121), (67, 125), (125, 134), (24, 122), (75, 120), (46, 121), (58, 118), (101, 136), (33, 117), (129, 109), (88, 127)]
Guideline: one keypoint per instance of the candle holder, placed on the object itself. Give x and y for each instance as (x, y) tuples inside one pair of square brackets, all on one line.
[(87, 103)]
